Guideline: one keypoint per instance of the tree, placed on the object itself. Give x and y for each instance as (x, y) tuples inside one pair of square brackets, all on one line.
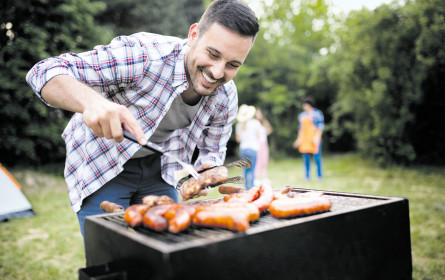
[(389, 66), (163, 17), (30, 31), (277, 73)]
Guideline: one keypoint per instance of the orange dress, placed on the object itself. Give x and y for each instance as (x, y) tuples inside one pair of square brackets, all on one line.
[(308, 132)]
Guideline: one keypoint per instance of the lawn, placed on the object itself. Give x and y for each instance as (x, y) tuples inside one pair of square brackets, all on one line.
[(49, 245)]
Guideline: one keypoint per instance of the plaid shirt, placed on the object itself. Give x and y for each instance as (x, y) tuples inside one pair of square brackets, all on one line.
[(145, 72)]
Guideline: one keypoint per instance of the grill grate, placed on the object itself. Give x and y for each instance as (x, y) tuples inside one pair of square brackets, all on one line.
[(340, 202)]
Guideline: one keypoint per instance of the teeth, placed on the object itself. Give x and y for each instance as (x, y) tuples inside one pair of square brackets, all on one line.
[(208, 79)]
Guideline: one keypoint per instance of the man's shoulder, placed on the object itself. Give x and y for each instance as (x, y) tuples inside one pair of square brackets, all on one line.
[(153, 38), (156, 45)]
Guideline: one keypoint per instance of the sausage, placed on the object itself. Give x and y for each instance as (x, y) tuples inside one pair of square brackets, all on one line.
[(178, 219), (133, 214), (154, 219), (246, 197), (232, 220), (207, 178), (229, 189), (283, 193), (292, 207), (174, 217), (252, 210), (111, 207), (266, 197), (153, 200), (213, 176)]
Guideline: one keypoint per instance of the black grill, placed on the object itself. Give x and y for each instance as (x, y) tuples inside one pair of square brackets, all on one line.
[(362, 237)]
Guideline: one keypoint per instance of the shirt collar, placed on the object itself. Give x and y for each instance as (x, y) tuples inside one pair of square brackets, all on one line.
[(179, 76)]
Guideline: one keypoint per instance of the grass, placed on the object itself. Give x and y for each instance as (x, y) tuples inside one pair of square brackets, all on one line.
[(49, 245)]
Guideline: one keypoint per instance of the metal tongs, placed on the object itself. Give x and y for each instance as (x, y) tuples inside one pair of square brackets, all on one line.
[(158, 149), (241, 163)]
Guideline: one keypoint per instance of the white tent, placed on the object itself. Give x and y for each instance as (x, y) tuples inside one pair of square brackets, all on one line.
[(13, 204)]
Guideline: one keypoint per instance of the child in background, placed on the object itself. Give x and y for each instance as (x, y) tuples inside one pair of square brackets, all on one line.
[(263, 151)]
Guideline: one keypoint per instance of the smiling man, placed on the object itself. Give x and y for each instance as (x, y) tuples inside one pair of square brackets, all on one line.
[(173, 92)]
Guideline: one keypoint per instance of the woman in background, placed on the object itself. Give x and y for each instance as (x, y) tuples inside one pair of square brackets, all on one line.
[(247, 134), (308, 142), (263, 151)]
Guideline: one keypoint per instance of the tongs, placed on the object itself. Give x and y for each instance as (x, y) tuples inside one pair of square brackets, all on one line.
[(241, 163), (159, 150)]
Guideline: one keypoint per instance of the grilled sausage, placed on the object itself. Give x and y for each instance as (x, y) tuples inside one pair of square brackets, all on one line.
[(252, 210), (246, 197), (133, 214), (207, 178), (229, 189), (284, 208), (232, 220), (153, 200), (178, 219), (283, 193), (266, 197), (154, 219), (111, 207)]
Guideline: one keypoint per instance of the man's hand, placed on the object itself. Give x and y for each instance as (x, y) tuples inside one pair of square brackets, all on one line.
[(103, 116), (106, 119)]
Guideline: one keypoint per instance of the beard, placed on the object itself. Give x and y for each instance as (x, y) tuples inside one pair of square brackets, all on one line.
[(194, 76)]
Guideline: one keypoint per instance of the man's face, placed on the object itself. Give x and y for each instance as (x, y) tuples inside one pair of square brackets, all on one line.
[(214, 57)]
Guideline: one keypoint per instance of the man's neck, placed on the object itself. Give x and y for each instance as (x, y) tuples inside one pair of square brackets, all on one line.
[(190, 97)]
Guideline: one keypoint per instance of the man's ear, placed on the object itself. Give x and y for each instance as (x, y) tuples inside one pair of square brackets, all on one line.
[(193, 33)]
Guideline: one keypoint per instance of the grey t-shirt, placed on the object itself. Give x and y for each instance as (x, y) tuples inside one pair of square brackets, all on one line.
[(180, 115)]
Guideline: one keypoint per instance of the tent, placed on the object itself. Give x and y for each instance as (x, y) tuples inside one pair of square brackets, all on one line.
[(13, 203)]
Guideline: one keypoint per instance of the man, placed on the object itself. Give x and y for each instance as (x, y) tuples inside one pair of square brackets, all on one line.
[(308, 142), (176, 93)]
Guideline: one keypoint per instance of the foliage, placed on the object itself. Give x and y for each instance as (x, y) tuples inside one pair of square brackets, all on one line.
[(376, 75), (162, 17), (389, 68), (30, 31), (277, 72)]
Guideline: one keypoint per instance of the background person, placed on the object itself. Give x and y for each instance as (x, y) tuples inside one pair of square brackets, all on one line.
[(308, 142), (174, 92), (263, 151), (248, 135)]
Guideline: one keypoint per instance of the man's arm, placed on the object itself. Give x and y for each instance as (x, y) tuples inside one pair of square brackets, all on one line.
[(104, 117)]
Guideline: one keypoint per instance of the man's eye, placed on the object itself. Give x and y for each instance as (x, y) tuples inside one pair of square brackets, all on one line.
[(213, 54), (234, 65)]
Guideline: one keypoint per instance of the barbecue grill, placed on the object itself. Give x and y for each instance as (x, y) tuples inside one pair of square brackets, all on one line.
[(362, 237)]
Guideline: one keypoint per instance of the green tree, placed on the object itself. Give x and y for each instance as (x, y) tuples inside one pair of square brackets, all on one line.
[(30, 31), (389, 67), (162, 17), (277, 73)]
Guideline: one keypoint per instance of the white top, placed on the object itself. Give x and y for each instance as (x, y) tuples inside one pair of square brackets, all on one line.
[(249, 137), (263, 134)]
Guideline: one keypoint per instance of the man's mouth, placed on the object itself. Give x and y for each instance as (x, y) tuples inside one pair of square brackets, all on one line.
[(208, 79)]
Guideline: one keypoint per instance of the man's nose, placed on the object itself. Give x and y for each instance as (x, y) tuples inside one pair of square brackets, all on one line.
[(218, 70)]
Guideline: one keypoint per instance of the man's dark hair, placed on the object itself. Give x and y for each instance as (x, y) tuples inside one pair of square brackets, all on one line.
[(232, 14), (308, 100)]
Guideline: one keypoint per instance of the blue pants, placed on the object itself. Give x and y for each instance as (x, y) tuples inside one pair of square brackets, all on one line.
[(140, 177), (249, 173), (307, 164)]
